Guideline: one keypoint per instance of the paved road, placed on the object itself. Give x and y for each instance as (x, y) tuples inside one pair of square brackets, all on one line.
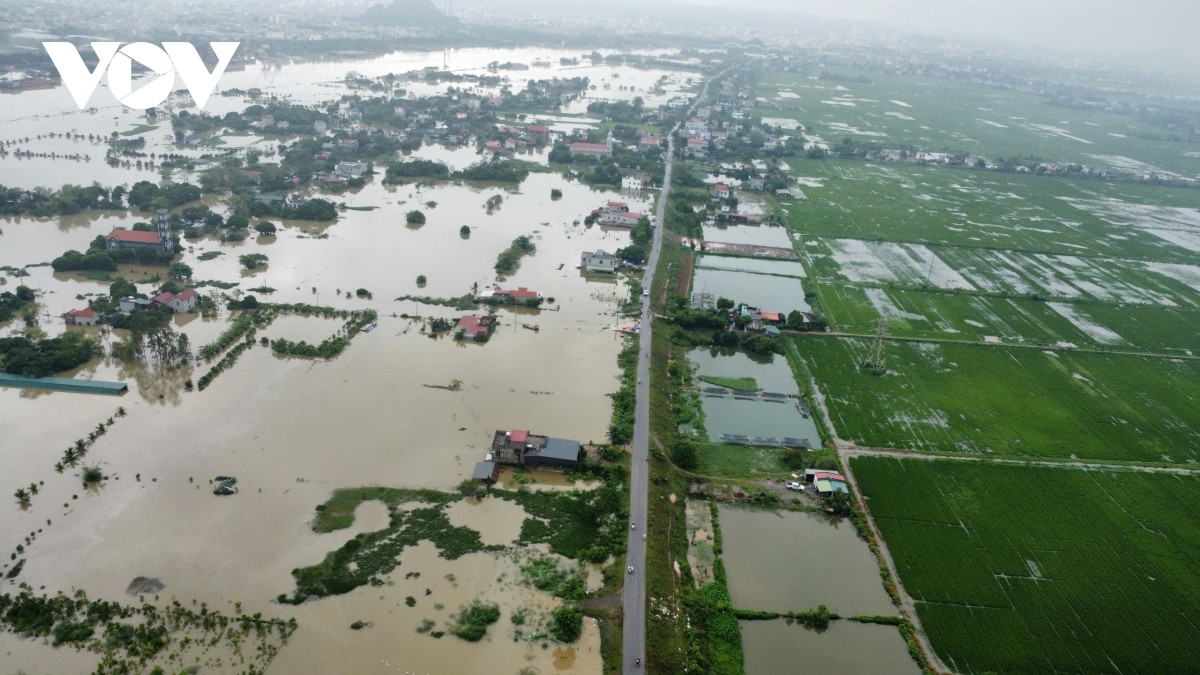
[(635, 556), (634, 596)]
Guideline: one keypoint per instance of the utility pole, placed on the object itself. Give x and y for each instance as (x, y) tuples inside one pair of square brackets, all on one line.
[(876, 359)]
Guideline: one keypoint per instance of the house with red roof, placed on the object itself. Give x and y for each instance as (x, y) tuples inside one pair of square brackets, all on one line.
[(593, 149), (649, 143), (472, 327), (81, 317), (161, 300), (521, 295), (122, 238), (721, 191), (185, 301)]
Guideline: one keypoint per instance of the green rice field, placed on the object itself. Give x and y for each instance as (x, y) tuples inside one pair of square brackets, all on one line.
[(1019, 569), (940, 114), (974, 208), (961, 316), (952, 397)]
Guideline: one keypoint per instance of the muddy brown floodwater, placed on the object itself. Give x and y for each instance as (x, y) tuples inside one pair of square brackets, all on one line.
[(293, 430)]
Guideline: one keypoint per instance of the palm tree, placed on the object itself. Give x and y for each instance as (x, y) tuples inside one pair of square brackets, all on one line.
[(92, 474), (22, 496), (110, 421), (121, 411), (80, 445), (70, 457), (58, 466), (33, 488)]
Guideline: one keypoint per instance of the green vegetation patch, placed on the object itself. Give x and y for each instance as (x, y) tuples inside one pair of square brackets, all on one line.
[(128, 639), (547, 575), (510, 258), (738, 383), (588, 525), (368, 557), (1014, 401), (1063, 569), (140, 129), (474, 619)]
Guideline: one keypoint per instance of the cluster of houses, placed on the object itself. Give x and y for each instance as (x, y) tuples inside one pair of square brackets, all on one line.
[(183, 302), (524, 449), (511, 139)]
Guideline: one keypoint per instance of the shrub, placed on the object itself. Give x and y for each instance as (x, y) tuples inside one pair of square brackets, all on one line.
[(568, 623), (474, 619), (414, 218)]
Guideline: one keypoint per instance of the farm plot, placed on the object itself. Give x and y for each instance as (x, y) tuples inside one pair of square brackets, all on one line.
[(955, 316), (783, 268), (1004, 272), (937, 113), (910, 203), (772, 293), (1062, 569), (1011, 401)]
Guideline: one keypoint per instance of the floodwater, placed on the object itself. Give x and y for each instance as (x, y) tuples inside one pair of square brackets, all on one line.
[(757, 418), (293, 430), (769, 293), (755, 235), (757, 265), (775, 648), (786, 560), (80, 161), (770, 371)]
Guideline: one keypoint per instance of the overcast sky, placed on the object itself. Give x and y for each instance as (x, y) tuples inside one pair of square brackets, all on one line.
[(1159, 27), (1166, 30)]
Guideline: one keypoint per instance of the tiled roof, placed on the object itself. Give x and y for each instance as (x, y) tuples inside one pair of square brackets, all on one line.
[(135, 236)]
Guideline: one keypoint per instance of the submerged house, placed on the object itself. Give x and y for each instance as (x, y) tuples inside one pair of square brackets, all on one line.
[(471, 327), (598, 261), (521, 448), (81, 317)]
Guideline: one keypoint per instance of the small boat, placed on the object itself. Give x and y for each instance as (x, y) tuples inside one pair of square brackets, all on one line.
[(370, 327), (531, 326)]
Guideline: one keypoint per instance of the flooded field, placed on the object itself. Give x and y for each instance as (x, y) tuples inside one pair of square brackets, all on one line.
[(757, 235), (775, 648), (756, 265), (771, 372), (780, 561), (769, 293), (763, 422), (292, 430)]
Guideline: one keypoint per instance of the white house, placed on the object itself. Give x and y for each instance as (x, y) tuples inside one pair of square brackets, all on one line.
[(622, 218), (185, 301), (757, 182), (721, 191), (631, 183), (130, 303), (598, 261), (320, 126)]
